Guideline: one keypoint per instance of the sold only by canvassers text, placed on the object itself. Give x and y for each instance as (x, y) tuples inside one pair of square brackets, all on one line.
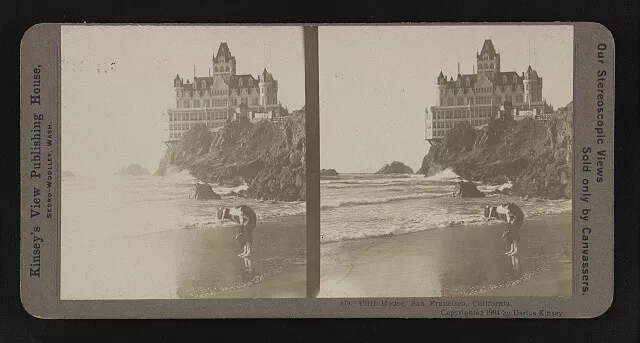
[(594, 158)]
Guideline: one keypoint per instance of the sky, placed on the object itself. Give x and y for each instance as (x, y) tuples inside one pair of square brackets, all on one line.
[(375, 82), (118, 80)]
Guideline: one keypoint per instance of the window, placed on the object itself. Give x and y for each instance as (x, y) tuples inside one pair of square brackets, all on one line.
[(515, 79), (215, 69), (491, 65), (239, 82), (504, 79), (467, 82), (226, 68), (186, 104), (450, 102)]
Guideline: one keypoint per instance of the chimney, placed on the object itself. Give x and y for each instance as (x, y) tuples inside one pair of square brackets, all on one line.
[(458, 67), (474, 68)]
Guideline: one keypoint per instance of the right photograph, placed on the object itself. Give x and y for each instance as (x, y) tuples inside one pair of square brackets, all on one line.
[(446, 156)]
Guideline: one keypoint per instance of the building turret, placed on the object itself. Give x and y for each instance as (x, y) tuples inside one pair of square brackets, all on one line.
[(531, 88), (224, 64), (178, 85), (268, 89), (443, 88), (488, 60)]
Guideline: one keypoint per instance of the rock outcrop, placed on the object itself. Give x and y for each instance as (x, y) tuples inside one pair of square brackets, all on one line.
[(395, 167), (467, 189), (204, 191), (133, 170), (536, 158), (328, 172), (267, 156)]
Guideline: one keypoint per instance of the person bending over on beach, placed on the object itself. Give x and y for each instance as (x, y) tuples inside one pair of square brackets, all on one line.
[(246, 217), (514, 217)]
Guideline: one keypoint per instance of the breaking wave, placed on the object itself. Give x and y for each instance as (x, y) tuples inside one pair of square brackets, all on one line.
[(325, 205), (172, 175), (444, 175)]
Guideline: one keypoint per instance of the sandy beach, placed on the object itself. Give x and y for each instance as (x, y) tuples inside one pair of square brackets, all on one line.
[(208, 265), (453, 261)]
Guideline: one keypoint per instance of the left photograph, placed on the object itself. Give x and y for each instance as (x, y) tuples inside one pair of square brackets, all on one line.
[(183, 162)]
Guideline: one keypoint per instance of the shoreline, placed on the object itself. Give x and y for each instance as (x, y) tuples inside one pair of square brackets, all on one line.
[(451, 261)]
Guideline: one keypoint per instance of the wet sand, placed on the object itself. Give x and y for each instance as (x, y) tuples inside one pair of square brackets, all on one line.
[(453, 261), (191, 263), (208, 265)]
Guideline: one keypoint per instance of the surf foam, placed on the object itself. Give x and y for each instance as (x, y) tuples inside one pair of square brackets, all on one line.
[(444, 175)]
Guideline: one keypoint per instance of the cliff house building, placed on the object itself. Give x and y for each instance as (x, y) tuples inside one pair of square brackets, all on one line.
[(479, 97), (217, 98)]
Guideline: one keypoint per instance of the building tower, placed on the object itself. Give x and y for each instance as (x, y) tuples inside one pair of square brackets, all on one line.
[(530, 81), (443, 88), (224, 64), (268, 89), (179, 88), (488, 60)]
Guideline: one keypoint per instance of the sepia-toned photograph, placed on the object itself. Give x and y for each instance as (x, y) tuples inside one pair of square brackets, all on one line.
[(446, 156), (183, 160)]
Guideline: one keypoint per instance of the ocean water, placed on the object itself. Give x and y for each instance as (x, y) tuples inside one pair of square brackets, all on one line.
[(357, 206), (116, 232)]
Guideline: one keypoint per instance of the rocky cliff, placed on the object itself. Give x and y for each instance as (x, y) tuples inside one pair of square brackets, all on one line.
[(536, 158), (267, 156)]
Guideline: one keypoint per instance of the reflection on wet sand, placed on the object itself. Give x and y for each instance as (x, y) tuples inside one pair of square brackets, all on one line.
[(209, 265), (452, 261), (480, 265)]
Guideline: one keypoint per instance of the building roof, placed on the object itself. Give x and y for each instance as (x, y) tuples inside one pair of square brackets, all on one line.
[(497, 79), (235, 81), (531, 74), (223, 50), (266, 76), (488, 48)]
